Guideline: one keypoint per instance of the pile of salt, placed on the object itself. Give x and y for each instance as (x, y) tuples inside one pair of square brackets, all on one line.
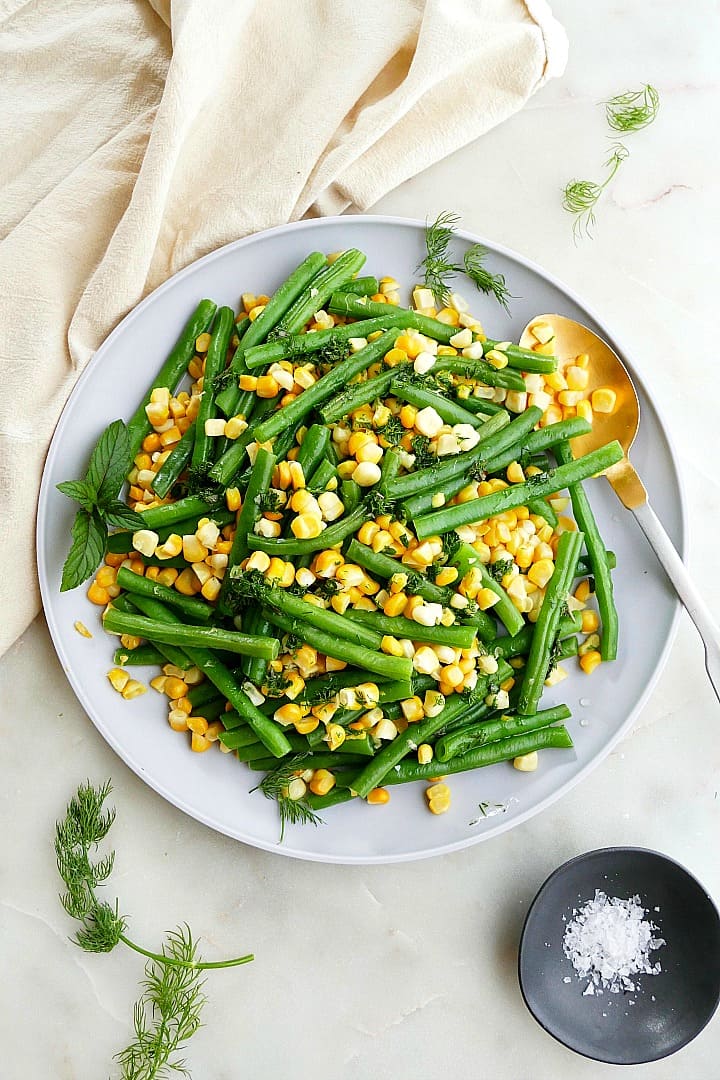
[(609, 942)]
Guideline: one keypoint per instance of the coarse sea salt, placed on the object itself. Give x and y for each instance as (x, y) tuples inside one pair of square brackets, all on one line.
[(609, 941)]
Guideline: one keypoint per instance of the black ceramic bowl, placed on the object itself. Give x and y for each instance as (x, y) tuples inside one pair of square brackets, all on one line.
[(670, 1008)]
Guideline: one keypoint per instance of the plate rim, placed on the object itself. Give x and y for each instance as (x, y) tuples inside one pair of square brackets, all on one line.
[(137, 766), (582, 857)]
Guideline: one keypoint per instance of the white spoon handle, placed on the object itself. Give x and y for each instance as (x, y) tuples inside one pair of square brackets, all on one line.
[(681, 581)]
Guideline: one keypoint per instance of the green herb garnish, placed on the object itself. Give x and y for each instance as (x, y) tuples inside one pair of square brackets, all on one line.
[(99, 505), (633, 110), (438, 268), (168, 1012), (274, 786), (493, 284)]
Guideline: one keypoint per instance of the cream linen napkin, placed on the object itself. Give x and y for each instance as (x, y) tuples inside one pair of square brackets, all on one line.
[(136, 136)]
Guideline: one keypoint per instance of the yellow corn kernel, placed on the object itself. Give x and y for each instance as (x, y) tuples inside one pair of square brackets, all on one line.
[(552, 415), (289, 714), (198, 743), (335, 736), (378, 796), (584, 411), (322, 782), (486, 598), (540, 572), (515, 473), (133, 689), (527, 762), (178, 720), (583, 592), (590, 621), (98, 595), (603, 400), (306, 526), (408, 414), (589, 661), (81, 629), (118, 679), (590, 644), (424, 754), (577, 377), (395, 604), (453, 675), (267, 386), (248, 382), (197, 724), (391, 646), (183, 704), (187, 583), (447, 576), (210, 589), (496, 358), (412, 709)]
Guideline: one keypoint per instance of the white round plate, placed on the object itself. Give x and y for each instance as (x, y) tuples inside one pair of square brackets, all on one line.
[(213, 787)]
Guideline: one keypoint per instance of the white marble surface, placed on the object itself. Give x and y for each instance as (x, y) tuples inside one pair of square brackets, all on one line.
[(409, 971)]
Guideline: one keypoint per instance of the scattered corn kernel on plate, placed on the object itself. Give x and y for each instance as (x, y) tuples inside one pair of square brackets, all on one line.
[(353, 563)]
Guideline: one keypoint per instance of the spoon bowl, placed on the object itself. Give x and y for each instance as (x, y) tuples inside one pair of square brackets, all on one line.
[(569, 340)]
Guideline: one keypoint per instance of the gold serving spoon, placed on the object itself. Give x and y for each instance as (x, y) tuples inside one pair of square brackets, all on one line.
[(571, 339)]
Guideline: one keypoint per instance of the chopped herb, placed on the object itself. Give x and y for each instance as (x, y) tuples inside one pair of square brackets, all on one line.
[(499, 569), (274, 785)]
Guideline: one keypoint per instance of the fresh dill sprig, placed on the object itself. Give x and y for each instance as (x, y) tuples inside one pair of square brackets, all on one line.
[(581, 196), (424, 457), (437, 267), (393, 431), (500, 568), (200, 482), (486, 282), (168, 1013), (274, 785), (332, 353), (633, 110)]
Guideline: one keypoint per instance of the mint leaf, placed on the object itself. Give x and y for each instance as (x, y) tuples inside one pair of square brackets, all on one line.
[(88, 547), (109, 462), (80, 492), (121, 516)]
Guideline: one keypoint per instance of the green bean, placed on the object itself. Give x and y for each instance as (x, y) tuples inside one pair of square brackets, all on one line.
[(423, 501), (565, 649), (360, 286), (324, 687), (496, 434), (302, 345), (142, 586), (523, 359), (360, 308), (535, 441), (472, 735), (519, 644), (291, 415), (120, 543), (465, 559), (187, 637), (456, 636), (258, 485), (239, 737), (257, 666), (192, 506), (167, 475), (334, 534), (392, 667), (171, 372), (313, 761), (322, 476), (542, 508), (389, 468), (597, 555), (422, 398), (146, 655), (485, 373), (584, 566), (154, 609), (351, 495), (280, 303), (357, 394), (325, 619), (478, 404), (267, 731), (517, 494), (489, 754), (546, 626), (313, 449), (214, 365), (385, 761), (202, 692), (335, 796), (315, 295), (214, 710)]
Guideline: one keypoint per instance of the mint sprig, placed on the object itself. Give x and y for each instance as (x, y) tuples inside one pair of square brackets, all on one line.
[(99, 505)]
